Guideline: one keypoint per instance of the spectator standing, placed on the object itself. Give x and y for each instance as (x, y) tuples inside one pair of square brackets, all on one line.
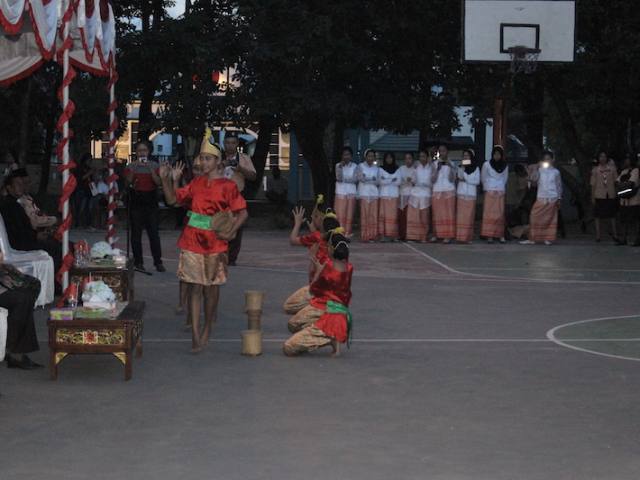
[(143, 181), (603, 194), (629, 180), (239, 168)]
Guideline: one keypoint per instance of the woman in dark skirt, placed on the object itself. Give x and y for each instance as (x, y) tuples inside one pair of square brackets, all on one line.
[(603, 194), (18, 294), (629, 178)]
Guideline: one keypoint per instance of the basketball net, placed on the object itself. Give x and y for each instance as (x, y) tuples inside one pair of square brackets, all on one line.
[(523, 59)]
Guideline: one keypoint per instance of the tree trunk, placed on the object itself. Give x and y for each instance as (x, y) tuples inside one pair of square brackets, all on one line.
[(533, 106), (267, 124), (23, 139), (334, 141), (146, 118), (579, 187), (310, 133)]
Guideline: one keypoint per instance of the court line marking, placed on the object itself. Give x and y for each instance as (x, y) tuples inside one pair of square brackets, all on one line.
[(410, 340), (469, 275), (515, 279), (556, 269), (552, 337)]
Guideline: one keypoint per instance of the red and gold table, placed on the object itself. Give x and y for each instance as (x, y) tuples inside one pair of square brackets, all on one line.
[(118, 336)]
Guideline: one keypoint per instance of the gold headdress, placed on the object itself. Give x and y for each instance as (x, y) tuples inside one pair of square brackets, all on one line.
[(207, 146)]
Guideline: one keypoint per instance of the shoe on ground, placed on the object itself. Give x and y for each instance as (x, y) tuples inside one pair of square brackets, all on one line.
[(548, 242), (527, 242), (25, 363), (140, 267), (160, 268), (489, 241), (503, 241)]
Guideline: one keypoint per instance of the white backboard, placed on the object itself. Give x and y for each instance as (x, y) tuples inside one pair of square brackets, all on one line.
[(491, 27)]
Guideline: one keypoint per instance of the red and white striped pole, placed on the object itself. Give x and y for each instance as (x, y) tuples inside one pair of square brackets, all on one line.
[(113, 125), (68, 108)]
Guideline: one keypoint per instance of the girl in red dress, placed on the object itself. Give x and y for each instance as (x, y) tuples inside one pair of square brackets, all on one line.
[(316, 242), (331, 291), (216, 212)]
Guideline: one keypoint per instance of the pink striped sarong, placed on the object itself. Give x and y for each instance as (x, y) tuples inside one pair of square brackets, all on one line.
[(543, 223), (345, 208), (388, 217), (465, 218), (418, 223), (368, 219), (493, 215), (444, 214)]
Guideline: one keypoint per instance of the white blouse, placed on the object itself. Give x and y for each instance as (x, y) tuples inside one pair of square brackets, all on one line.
[(368, 177), (443, 183), (346, 179), (493, 180), (389, 184), (422, 184), (549, 184), (407, 177), (468, 182)]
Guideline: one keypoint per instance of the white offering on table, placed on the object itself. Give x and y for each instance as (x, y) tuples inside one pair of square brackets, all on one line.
[(101, 250), (98, 295)]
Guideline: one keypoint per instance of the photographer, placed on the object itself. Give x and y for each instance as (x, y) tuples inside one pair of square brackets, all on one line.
[(237, 167), (142, 180)]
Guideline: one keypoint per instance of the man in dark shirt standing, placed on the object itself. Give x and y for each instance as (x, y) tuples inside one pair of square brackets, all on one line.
[(21, 233), (143, 181), (238, 167)]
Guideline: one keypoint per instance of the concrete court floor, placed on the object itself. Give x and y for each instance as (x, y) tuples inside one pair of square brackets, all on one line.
[(451, 376)]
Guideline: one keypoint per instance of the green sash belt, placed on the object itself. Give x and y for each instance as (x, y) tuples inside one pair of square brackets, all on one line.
[(335, 307), (197, 220)]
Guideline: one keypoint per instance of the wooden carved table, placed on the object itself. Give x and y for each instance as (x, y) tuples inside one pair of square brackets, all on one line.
[(120, 279), (116, 336)]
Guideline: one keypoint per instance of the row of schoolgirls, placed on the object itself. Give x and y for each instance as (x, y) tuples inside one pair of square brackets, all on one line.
[(432, 198)]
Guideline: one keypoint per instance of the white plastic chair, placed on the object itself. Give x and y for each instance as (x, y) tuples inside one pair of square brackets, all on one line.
[(3, 332), (36, 263)]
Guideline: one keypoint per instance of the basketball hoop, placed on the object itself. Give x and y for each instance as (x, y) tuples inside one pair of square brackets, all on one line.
[(523, 59)]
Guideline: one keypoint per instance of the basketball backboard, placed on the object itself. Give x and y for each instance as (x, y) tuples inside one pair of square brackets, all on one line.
[(492, 27)]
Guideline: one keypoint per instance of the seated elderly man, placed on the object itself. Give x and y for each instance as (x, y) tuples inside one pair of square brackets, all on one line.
[(22, 235), (38, 220), (18, 294)]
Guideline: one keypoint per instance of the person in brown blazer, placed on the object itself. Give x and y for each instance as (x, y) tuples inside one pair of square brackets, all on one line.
[(603, 193)]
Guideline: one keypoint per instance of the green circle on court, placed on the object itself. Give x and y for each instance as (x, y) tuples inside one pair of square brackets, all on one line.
[(614, 336)]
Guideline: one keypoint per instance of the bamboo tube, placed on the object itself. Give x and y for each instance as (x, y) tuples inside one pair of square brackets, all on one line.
[(253, 299), (251, 343)]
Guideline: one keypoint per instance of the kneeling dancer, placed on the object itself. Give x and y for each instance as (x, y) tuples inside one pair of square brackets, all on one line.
[(331, 290), (316, 241), (217, 211)]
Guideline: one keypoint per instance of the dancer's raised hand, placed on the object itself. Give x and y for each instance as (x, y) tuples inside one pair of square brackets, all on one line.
[(176, 171), (298, 215), (165, 170)]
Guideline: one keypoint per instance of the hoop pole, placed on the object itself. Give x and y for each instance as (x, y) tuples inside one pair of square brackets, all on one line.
[(499, 122)]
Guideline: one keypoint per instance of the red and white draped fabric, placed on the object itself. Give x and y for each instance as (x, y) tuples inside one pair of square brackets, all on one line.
[(81, 34), (28, 36)]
